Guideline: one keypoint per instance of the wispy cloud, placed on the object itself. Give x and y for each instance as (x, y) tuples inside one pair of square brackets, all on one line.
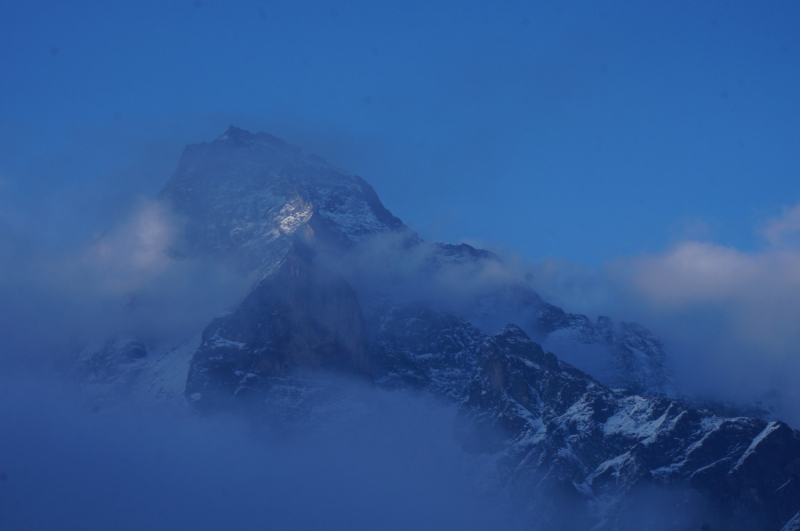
[(784, 230), (134, 252), (126, 281)]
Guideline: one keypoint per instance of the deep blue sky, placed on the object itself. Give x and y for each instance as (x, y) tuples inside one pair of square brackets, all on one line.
[(578, 130)]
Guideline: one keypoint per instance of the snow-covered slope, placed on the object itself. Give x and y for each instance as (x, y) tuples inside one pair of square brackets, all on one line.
[(561, 433), (793, 524), (126, 370)]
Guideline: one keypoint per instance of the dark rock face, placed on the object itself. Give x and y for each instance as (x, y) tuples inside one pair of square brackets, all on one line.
[(418, 348), (296, 320)]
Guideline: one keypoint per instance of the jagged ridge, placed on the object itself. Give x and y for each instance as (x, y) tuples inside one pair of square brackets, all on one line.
[(259, 201)]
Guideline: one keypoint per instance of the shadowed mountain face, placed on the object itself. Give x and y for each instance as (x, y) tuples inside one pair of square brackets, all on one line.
[(578, 452), (296, 320)]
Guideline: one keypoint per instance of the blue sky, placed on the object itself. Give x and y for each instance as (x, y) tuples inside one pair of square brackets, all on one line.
[(582, 131)]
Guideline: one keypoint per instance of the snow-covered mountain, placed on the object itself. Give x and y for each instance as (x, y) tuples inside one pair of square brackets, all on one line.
[(579, 452), (245, 195), (557, 431)]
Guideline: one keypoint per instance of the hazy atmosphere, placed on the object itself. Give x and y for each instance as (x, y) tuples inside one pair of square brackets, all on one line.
[(633, 161)]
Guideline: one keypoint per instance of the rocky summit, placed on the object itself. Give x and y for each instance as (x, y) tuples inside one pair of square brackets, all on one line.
[(245, 195), (577, 451)]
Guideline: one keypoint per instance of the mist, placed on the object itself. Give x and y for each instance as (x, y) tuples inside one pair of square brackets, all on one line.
[(124, 282), (394, 465)]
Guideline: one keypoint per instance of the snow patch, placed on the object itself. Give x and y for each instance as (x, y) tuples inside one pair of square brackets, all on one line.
[(772, 426)]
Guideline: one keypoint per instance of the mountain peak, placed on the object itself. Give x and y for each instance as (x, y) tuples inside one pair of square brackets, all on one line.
[(238, 137), (245, 194)]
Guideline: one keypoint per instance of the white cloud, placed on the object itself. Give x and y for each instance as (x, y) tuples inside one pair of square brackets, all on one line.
[(730, 317), (758, 292), (783, 231)]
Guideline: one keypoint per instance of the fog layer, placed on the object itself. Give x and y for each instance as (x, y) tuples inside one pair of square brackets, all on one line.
[(391, 463)]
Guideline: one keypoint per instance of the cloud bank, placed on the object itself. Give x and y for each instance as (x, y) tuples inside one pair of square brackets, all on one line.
[(393, 465), (729, 317)]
